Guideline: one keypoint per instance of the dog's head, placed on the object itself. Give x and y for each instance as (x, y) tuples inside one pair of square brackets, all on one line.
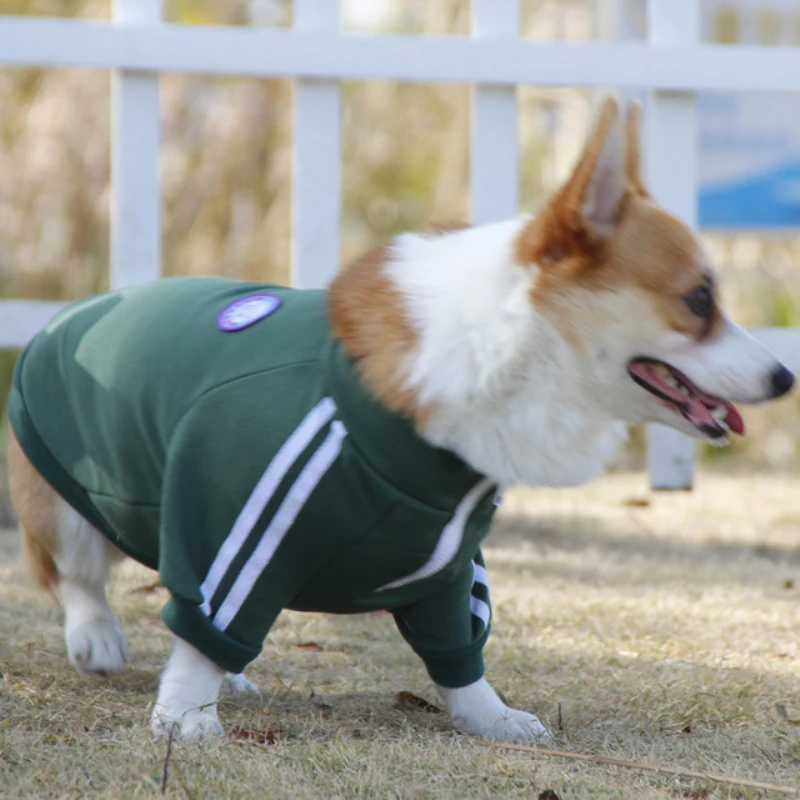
[(632, 290)]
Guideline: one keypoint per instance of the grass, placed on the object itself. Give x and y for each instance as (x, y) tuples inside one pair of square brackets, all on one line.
[(654, 628)]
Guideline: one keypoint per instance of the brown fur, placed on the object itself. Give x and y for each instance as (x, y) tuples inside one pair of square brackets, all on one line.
[(649, 250), (367, 316), (35, 503)]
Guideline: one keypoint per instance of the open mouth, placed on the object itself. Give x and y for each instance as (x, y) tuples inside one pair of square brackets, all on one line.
[(712, 416)]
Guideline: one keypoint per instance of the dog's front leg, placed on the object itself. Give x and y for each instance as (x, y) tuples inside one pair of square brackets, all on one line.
[(187, 695), (477, 709)]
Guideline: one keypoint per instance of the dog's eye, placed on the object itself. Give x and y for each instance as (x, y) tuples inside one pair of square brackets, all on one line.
[(700, 301)]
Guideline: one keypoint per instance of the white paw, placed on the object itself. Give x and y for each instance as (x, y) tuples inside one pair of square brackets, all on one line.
[(97, 647), (511, 726), (477, 709), (197, 725), (238, 686)]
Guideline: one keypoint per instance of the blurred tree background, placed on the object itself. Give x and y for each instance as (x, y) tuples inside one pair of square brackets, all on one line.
[(226, 170)]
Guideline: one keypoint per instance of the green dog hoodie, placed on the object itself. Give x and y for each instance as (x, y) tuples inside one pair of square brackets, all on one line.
[(215, 430)]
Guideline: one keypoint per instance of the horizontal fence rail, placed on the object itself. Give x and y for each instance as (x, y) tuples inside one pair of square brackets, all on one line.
[(136, 46), (325, 54), (20, 320)]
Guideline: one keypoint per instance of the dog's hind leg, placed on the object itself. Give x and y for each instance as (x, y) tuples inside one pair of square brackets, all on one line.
[(68, 556), (95, 641)]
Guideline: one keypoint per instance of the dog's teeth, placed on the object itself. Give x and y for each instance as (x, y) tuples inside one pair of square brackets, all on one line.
[(719, 413), (669, 379)]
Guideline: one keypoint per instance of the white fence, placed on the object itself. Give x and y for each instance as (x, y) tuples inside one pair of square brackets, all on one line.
[(137, 46)]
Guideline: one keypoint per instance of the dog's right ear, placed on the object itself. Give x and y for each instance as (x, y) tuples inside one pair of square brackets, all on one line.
[(584, 212)]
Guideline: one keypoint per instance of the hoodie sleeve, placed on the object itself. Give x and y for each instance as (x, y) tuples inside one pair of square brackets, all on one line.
[(232, 551), (449, 629)]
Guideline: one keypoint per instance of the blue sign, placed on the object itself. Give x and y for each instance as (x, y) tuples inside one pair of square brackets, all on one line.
[(749, 161)]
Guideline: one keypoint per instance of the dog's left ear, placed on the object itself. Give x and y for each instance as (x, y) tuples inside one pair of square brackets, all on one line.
[(582, 215), (599, 182)]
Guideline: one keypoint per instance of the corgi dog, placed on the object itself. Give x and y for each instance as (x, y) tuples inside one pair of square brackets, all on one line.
[(341, 450)]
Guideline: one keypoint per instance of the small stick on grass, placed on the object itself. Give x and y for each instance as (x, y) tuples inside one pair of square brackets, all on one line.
[(165, 773), (681, 773)]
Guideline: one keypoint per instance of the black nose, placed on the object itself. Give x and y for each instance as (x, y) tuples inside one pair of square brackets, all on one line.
[(781, 381)]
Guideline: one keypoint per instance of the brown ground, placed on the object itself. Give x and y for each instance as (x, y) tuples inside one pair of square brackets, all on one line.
[(661, 629)]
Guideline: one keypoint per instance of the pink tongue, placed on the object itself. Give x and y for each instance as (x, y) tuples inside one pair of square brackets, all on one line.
[(696, 411), (734, 420)]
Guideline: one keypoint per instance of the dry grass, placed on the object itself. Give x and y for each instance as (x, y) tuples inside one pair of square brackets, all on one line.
[(654, 628)]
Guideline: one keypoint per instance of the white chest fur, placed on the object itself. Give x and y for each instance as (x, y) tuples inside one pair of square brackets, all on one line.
[(509, 391)]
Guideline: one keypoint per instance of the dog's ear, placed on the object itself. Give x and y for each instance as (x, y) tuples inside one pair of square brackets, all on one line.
[(583, 213), (598, 182), (633, 159)]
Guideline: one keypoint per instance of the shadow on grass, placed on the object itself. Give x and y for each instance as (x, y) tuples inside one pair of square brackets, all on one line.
[(541, 539)]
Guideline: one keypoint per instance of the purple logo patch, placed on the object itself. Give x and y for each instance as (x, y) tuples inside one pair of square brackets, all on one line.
[(245, 311)]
